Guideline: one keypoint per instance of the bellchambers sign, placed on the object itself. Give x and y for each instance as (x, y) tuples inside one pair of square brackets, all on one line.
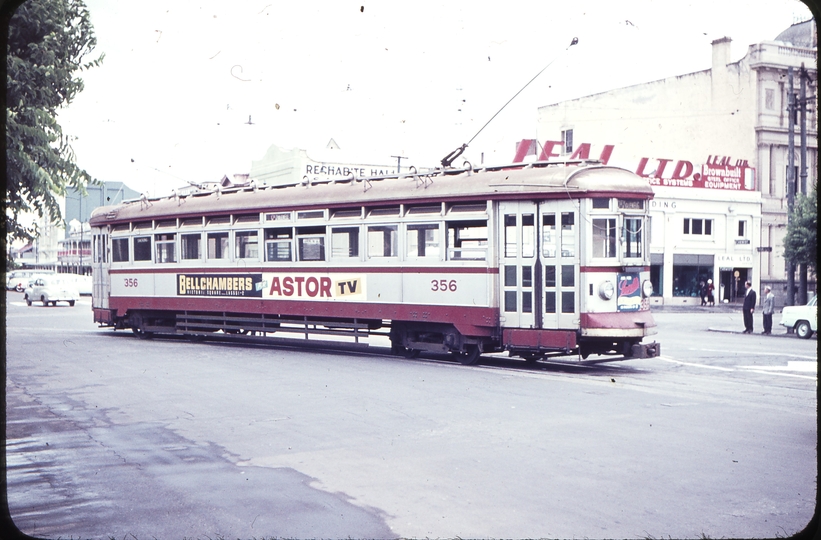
[(718, 172)]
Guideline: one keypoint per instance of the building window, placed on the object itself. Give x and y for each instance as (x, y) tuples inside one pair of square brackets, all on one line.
[(567, 140), (698, 227), (769, 99), (742, 228)]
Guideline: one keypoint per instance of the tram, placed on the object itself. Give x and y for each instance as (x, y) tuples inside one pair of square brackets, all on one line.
[(538, 259)]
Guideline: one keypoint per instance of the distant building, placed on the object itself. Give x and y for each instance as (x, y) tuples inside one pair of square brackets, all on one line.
[(714, 145), (65, 247), (280, 167)]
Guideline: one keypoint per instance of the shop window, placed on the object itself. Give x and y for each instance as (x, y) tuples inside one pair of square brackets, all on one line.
[(687, 279)]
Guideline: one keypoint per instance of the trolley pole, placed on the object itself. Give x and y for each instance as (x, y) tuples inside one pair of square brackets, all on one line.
[(802, 101)]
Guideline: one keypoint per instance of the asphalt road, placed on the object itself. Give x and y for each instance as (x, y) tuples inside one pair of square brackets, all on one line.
[(112, 436)]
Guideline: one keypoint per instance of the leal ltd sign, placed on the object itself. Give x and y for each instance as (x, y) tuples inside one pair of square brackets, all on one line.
[(718, 172)]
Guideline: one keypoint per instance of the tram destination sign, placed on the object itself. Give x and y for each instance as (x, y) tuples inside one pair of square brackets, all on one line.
[(243, 285)]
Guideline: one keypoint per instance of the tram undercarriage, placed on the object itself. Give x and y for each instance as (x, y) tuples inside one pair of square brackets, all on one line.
[(407, 338)]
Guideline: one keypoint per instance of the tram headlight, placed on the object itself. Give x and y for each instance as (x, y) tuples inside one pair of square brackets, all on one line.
[(647, 288), (606, 290)]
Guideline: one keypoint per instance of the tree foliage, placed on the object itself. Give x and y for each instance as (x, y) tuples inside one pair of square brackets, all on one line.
[(48, 42), (801, 240)]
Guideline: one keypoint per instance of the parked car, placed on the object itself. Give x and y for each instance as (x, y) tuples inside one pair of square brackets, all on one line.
[(802, 319), (83, 283), (18, 279), (51, 289)]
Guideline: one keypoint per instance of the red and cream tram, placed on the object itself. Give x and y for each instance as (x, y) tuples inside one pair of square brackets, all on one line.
[(537, 260)]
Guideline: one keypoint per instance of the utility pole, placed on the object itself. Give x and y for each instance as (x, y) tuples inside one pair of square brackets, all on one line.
[(790, 179), (803, 102)]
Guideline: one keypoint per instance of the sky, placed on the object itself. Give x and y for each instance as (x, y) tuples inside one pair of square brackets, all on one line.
[(192, 91)]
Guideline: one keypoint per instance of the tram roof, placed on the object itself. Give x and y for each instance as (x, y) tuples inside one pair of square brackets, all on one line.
[(539, 181)]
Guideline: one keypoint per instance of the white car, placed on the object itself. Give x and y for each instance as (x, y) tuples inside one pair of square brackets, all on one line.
[(803, 319), (18, 279), (52, 289)]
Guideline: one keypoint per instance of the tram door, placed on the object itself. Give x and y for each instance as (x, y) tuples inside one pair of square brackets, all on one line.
[(559, 262), (519, 266), (539, 264)]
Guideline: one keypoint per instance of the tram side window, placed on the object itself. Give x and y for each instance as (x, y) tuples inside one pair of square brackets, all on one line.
[(166, 247), (467, 240), (218, 245), (604, 237), (191, 246), (549, 235), (423, 240), (311, 243), (632, 237), (119, 250), (142, 248), (568, 234), (345, 242), (246, 245), (278, 244), (382, 241)]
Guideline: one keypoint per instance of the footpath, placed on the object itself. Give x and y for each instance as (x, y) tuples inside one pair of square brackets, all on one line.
[(736, 327)]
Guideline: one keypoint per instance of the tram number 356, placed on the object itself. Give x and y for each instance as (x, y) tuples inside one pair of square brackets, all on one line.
[(443, 285), (130, 282)]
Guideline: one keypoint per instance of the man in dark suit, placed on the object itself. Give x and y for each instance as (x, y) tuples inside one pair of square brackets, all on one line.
[(749, 307)]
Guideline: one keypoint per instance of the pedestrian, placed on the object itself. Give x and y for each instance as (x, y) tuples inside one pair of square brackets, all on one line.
[(702, 291), (749, 307), (768, 304), (710, 298)]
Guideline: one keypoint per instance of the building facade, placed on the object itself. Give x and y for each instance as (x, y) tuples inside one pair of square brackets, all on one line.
[(715, 145), (282, 167)]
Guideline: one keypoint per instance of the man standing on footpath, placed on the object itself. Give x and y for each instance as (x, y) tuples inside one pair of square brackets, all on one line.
[(768, 305), (749, 307)]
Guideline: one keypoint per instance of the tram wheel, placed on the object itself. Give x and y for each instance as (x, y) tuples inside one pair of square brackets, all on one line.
[(138, 327), (469, 357)]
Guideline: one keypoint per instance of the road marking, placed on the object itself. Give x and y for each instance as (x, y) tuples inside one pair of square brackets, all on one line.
[(758, 353), (767, 370), (39, 304)]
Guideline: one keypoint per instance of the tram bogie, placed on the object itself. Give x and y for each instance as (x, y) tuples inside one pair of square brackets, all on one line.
[(537, 261)]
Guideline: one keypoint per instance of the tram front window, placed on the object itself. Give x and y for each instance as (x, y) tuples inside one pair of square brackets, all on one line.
[(632, 238), (604, 237)]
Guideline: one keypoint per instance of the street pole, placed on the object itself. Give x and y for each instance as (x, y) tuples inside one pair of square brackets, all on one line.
[(790, 179), (802, 268)]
